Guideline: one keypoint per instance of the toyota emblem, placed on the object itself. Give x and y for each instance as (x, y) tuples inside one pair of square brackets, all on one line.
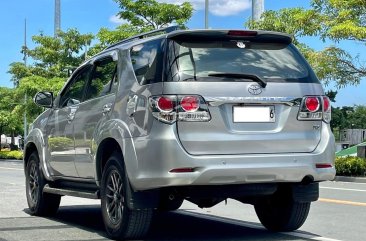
[(255, 89)]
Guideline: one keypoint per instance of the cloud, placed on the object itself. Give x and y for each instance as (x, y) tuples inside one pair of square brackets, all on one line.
[(116, 20), (218, 7)]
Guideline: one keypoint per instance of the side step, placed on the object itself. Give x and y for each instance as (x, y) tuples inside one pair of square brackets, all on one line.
[(72, 192)]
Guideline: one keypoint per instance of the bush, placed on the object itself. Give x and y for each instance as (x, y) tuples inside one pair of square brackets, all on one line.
[(350, 166), (11, 155)]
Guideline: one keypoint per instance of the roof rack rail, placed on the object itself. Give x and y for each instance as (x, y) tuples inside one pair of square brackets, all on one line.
[(145, 35)]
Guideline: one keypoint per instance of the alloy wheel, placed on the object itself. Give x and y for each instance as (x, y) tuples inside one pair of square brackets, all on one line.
[(115, 199)]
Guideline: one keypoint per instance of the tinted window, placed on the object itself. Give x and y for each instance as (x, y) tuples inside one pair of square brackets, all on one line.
[(147, 61), (195, 61), (74, 92), (104, 74)]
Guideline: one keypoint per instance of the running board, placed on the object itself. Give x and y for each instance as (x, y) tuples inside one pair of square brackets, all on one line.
[(72, 192)]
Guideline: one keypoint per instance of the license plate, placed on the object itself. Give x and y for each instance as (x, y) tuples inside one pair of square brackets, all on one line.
[(253, 114)]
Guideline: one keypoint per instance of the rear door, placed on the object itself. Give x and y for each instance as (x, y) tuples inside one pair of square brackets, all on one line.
[(248, 115)]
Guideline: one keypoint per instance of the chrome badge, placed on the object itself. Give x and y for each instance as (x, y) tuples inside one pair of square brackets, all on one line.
[(255, 89)]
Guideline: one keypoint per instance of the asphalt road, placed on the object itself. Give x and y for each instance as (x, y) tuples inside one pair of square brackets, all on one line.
[(340, 214)]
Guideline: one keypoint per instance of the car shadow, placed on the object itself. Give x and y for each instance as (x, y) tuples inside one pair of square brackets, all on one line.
[(173, 226)]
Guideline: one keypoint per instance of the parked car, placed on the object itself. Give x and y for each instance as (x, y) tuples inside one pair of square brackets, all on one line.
[(197, 115)]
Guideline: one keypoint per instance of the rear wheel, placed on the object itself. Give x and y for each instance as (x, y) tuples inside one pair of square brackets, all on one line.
[(282, 214), (120, 221), (39, 203)]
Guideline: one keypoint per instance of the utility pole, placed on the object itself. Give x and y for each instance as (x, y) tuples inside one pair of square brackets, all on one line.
[(25, 63), (206, 14), (57, 17), (257, 9)]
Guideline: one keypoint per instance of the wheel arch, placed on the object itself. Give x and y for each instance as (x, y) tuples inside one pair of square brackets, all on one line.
[(104, 151), (28, 150)]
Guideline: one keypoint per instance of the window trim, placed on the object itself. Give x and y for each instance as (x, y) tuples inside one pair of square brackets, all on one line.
[(163, 42), (88, 66), (114, 56)]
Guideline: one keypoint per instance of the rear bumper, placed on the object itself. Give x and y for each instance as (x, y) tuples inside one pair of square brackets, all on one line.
[(155, 158)]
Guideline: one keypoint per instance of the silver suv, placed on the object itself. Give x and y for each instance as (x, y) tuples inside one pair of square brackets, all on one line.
[(173, 115)]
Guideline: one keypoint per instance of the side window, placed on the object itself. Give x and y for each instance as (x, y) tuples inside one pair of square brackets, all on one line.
[(104, 76), (74, 92), (147, 61)]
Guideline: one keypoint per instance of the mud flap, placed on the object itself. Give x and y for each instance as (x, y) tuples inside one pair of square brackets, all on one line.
[(142, 199), (305, 192)]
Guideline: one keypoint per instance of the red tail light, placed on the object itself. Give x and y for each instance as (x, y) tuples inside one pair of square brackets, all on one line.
[(190, 103), (315, 108), (326, 102), (165, 104), (172, 108), (312, 104)]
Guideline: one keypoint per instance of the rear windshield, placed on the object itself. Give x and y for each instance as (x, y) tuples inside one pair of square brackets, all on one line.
[(272, 62)]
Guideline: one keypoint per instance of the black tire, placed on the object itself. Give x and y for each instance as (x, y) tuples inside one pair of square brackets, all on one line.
[(170, 205), (120, 221), (39, 203), (282, 215)]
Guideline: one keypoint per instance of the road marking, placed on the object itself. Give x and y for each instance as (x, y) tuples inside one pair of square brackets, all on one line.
[(343, 189), (10, 168), (297, 234), (342, 202)]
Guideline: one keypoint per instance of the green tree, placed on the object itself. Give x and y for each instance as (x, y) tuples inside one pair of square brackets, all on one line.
[(153, 14), (51, 62), (142, 16), (52, 57), (10, 123), (107, 37), (334, 20)]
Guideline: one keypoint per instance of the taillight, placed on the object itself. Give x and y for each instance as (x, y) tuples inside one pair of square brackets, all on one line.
[(172, 108), (165, 103), (327, 109), (190, 103), (312, 104), (315, 108)]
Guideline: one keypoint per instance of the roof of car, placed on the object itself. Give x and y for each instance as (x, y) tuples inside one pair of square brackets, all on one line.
[(174, 32)]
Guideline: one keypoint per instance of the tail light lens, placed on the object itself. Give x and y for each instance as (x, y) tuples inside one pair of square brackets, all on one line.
[(315, 108), (327, 109), (312, 104), (190, 103), (165, 103), (172, 108)]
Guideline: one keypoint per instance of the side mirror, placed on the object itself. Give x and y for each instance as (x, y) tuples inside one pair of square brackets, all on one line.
[(44, 99)]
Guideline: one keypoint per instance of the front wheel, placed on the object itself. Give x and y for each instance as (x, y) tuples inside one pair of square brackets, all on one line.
[(282, 215), (39, 203), (120, 221)]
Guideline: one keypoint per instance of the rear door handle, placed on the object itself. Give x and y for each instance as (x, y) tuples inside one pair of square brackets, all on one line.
[(70, 117), (132, 105), (107, 108)]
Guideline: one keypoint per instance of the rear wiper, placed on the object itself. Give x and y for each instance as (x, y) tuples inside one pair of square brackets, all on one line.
[(241, 76)]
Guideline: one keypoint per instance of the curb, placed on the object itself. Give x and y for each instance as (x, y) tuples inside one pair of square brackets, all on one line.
[(10, 160), (350, 179)]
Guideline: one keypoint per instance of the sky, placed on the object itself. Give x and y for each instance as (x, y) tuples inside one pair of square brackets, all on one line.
[(88, 16)]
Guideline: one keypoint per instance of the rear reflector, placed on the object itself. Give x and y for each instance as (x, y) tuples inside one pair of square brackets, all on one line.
[(182, 170), (323, 165), (242, 33)]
